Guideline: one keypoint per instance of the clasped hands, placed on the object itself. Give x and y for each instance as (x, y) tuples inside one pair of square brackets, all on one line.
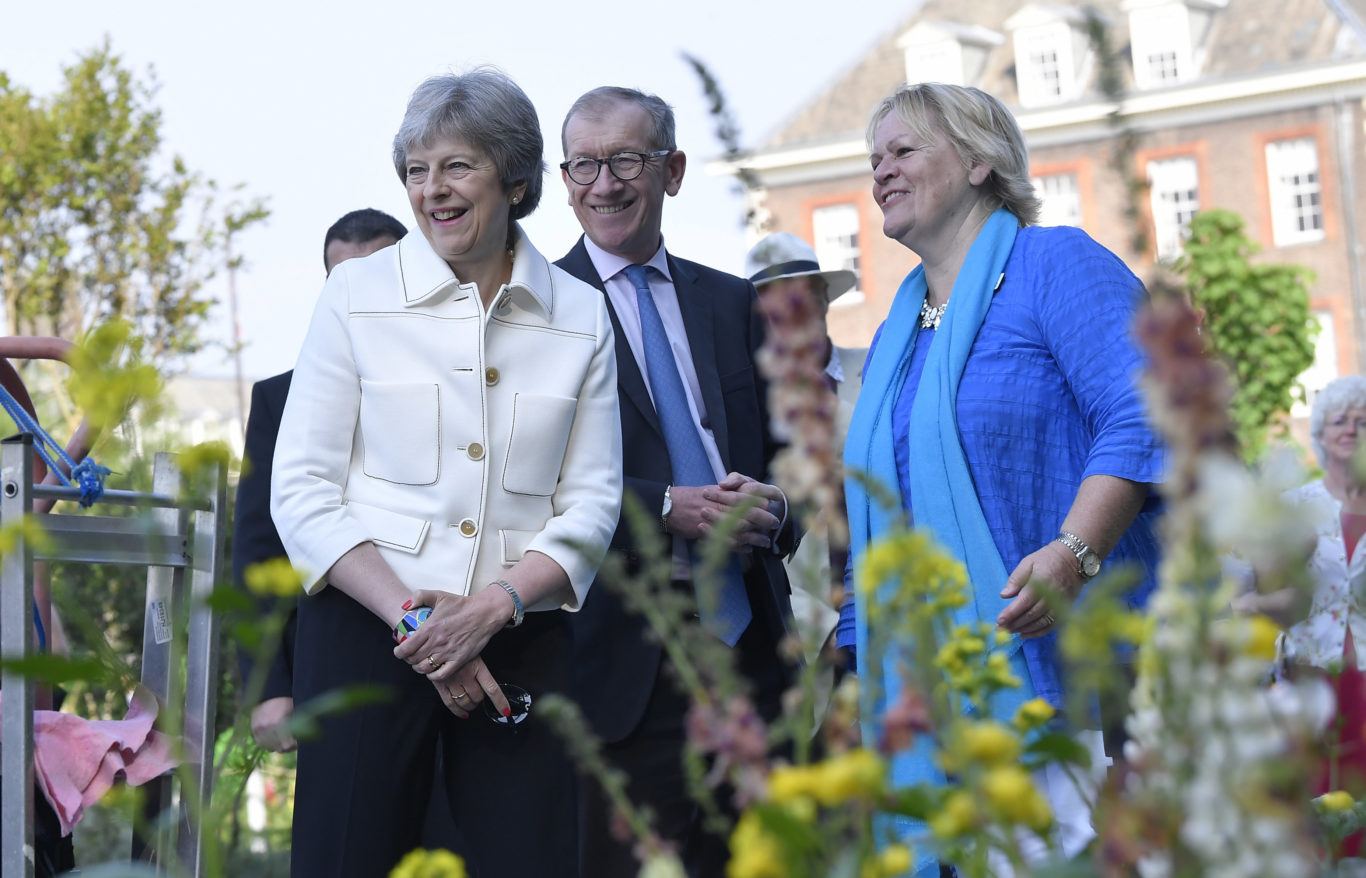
[(446, 648), (697, 510)]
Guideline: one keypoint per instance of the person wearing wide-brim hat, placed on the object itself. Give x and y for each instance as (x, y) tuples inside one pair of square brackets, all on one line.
[(782, 265), (784, 256)]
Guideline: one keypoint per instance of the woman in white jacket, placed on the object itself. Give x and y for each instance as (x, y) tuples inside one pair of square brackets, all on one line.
[(451, 442)]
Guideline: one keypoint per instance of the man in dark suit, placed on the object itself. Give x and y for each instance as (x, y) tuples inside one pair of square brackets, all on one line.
[(358, 233), (686, 338)]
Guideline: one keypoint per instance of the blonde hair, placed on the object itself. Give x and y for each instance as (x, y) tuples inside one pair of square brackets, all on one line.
[(981, 131)]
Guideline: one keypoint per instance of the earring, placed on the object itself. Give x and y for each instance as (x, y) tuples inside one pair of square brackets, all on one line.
[(516, 198)]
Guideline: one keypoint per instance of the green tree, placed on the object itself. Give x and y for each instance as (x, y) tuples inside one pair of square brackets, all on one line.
[(98, 222), (1257, 319)]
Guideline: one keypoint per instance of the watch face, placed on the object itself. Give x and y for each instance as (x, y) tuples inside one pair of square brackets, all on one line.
[(1090, 564)]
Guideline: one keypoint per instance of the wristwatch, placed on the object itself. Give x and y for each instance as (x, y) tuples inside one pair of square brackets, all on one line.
[(668, 508), (1088, 562), (518, 611)]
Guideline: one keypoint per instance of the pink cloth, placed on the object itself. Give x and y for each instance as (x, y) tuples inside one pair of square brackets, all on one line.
[(76, 760)]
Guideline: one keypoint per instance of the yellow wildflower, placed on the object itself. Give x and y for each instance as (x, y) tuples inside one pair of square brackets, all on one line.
[(895, 859), (275, 576), (990, 742), (979, 743), (1032, 714), (1337, 800), (858, 773), (1013, 795), (1262, 634), (754, 851), (926, 577), (429, 864), (789, 782), (958, 816)]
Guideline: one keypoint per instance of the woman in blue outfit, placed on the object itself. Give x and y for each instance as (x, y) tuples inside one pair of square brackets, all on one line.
[(1000, 398)]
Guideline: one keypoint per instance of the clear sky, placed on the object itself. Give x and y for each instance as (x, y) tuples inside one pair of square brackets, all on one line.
[(300, 101)]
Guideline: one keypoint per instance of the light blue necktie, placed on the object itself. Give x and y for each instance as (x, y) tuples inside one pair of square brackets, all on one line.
[(687, 457)]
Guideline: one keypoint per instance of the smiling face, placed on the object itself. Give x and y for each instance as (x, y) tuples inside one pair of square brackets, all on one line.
[(1342, 431), (459, 204), (622, 217), (926, 194)]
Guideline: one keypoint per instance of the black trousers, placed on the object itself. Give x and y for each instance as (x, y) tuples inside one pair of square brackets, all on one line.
[(652, 758), (364, 782)]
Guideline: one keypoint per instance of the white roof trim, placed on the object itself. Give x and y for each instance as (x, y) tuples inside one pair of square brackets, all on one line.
[(926, 32), (1293, 88)]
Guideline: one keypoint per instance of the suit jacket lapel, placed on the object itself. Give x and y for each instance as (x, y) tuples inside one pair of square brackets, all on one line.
[(630, 382), (695, 301)]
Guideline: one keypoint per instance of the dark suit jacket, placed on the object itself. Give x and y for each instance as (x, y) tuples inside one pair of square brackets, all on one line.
[(615, 665), (254, 538)]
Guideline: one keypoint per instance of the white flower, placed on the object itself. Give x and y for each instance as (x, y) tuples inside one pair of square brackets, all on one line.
[(662, 866)]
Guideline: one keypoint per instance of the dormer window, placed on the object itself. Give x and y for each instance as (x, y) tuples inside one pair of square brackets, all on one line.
[(945, 51), (1167, 39), (1052, 54)]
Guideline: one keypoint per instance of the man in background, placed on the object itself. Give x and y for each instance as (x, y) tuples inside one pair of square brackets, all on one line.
[(786, 274), (694, 420)]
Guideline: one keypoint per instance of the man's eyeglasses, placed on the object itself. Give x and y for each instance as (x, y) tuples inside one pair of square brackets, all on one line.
[(625, 166), (519, 701)]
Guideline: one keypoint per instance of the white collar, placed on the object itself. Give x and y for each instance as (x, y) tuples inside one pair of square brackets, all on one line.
[(425, 274)]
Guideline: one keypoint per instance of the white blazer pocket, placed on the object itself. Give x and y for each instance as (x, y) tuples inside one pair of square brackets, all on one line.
[(393, 530), (540, 435), (400, 428), (514, 543)]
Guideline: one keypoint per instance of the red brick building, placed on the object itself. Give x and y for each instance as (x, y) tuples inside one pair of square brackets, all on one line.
[(1251, 105)]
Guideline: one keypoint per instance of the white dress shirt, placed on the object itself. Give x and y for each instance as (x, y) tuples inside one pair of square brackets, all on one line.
[(622, 293)]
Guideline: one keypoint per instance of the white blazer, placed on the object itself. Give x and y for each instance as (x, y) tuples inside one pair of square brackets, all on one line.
[(453, 438)]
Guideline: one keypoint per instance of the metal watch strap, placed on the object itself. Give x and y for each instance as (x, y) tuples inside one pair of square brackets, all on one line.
[(667, 508), (518, 611), (1079, 548)]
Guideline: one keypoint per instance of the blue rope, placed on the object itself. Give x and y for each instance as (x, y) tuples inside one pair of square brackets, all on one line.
[(86, 475)]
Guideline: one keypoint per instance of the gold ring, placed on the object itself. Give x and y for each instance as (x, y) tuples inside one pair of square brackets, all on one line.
[(459, 695), (433, 662), (1048, 620)]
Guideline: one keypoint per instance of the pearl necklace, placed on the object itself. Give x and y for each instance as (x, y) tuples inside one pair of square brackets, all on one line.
[(930, 316)]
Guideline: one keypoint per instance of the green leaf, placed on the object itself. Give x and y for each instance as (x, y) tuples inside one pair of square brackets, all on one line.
[(54, 669), (1056, 747)]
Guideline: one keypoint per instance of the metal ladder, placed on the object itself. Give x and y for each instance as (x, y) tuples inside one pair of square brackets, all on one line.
[(179, 536)]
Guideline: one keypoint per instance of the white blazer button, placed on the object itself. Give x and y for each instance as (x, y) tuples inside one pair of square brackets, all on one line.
[(475, 451), (468, 527), (490, 376)]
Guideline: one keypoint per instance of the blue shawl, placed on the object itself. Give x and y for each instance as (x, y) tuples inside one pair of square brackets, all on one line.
[(943, 497)]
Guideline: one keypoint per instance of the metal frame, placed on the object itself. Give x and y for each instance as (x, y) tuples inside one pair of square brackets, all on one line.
[(179, 536)]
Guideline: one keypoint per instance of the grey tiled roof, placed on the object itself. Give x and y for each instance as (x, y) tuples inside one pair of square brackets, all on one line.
[(1246, 37)]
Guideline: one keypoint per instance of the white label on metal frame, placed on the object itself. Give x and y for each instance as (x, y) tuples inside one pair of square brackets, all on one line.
[(161, 623)]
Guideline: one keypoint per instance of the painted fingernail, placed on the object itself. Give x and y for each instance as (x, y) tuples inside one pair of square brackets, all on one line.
[(507, 712), (407, 605)]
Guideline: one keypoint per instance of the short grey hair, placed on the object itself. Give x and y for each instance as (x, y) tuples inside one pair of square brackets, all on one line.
[(594, 105), (981, 131), (1339, 395), (488, 111)]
